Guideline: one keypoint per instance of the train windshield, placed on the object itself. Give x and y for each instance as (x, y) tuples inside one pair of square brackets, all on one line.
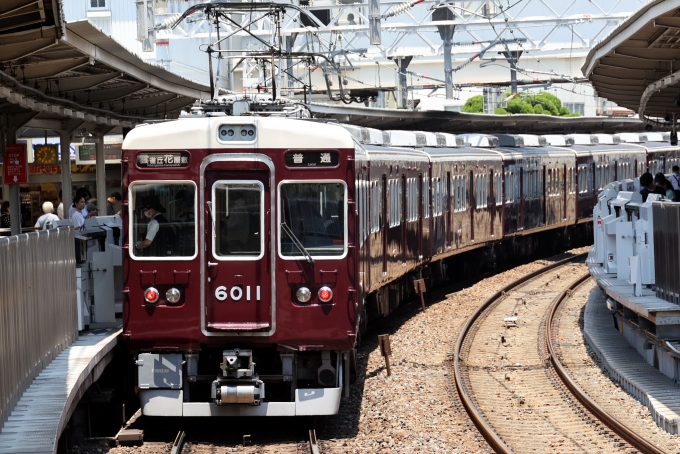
[(238, 220), (163, 219), (315, 216)]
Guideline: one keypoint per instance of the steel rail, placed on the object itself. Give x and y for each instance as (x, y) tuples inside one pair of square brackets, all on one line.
[(486, 430), (179, 443), (603, 415), (313, 443)]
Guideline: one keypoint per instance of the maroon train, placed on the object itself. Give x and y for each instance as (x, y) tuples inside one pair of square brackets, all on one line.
[(257, 248)]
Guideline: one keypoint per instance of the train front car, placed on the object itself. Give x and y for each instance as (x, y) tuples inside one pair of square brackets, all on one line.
[(239, 274)]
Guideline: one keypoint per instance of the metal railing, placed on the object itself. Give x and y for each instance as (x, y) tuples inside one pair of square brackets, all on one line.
[(667, 250), (38, 307)]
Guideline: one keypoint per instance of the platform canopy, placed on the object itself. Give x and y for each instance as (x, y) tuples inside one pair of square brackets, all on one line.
[(53, 72), (459, 123), (638, 65)]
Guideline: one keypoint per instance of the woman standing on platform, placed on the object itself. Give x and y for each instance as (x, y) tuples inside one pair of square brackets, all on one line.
[(77, 218), (4, 216)]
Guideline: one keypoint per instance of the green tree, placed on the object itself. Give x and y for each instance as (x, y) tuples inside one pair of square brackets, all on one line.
[(474, 105), (541, 103)]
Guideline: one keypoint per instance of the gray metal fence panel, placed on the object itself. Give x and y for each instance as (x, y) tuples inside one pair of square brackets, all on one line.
[(667, 250), (38, 307)]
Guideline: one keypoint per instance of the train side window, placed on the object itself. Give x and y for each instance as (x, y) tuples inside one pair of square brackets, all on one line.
[(499, 188), (426, 197), (170, 232), (375, 206)]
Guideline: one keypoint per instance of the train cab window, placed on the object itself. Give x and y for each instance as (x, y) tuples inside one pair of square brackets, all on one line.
[(163, 220), (238, 220), (312, 219)]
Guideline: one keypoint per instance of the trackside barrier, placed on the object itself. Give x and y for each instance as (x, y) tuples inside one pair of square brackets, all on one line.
[(667, 251), (38, 312)]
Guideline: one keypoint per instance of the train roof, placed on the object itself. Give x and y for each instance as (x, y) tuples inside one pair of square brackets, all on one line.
[(204, 132), (461, 153), (386, 153)]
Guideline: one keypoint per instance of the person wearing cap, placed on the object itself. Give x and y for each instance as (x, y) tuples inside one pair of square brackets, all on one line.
[(159, 238), (112, 200)]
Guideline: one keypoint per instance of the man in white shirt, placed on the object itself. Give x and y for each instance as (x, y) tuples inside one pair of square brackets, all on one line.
[(46, 219), (675, 178)]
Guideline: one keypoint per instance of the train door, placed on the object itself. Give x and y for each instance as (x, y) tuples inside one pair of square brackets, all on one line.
[(385, 227), (544, 198), (473, 205), (449, 213), (404, 217), (420, 215), (492, 201), (521, 197), (563, 185), (238, 255)]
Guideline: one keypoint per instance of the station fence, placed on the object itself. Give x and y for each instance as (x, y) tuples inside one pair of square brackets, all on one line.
[(667, 250), (38, 307)]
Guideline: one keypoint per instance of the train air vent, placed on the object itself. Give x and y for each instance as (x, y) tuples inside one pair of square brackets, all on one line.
[(480, 140), (402, 138), (386, 138), (607, 139), (583, 139), (372, 136), (628, 137), (510, 140), (555, 140), (427, 139), (449, 140), (654, 137), (356, 131)]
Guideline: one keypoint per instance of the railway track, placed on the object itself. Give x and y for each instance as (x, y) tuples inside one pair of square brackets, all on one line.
[(196, 438), (511, 381)]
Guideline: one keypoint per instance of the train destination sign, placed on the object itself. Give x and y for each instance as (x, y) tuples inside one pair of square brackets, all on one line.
[(312, 158), (155, 160)]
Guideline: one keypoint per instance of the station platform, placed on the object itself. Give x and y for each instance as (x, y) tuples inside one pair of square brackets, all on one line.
[(38, 419)]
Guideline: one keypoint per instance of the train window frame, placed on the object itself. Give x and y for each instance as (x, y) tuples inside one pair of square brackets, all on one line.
[(131, 220), (376, 209), (245, 258), (345, 220), (426, 196)]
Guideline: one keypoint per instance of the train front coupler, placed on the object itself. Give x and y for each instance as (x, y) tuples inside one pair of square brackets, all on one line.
[(239, 384)]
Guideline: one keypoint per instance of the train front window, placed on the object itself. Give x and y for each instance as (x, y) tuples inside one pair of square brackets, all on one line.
[(163, 220), (312, 218), (238, 220)]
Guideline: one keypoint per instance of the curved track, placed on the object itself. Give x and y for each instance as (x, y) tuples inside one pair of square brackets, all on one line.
[(510, 379)]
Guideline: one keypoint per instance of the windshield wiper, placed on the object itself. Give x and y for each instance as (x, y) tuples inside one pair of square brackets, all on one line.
[(297, 242)]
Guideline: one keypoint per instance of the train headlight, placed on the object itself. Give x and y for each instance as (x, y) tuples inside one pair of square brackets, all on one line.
[(303, 294), (325, 294), (172, 295), (151, 295)]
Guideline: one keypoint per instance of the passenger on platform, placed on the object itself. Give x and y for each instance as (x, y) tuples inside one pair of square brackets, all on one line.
[(60, 208), (44, 222), (670, 193), (648, 186), (675, 178), (112, 200), (77, 218), (84, 193), (159, 237), (4, 216)]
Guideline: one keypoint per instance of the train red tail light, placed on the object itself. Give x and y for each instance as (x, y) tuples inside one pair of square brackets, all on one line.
[(325, 294), (151, 295)]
